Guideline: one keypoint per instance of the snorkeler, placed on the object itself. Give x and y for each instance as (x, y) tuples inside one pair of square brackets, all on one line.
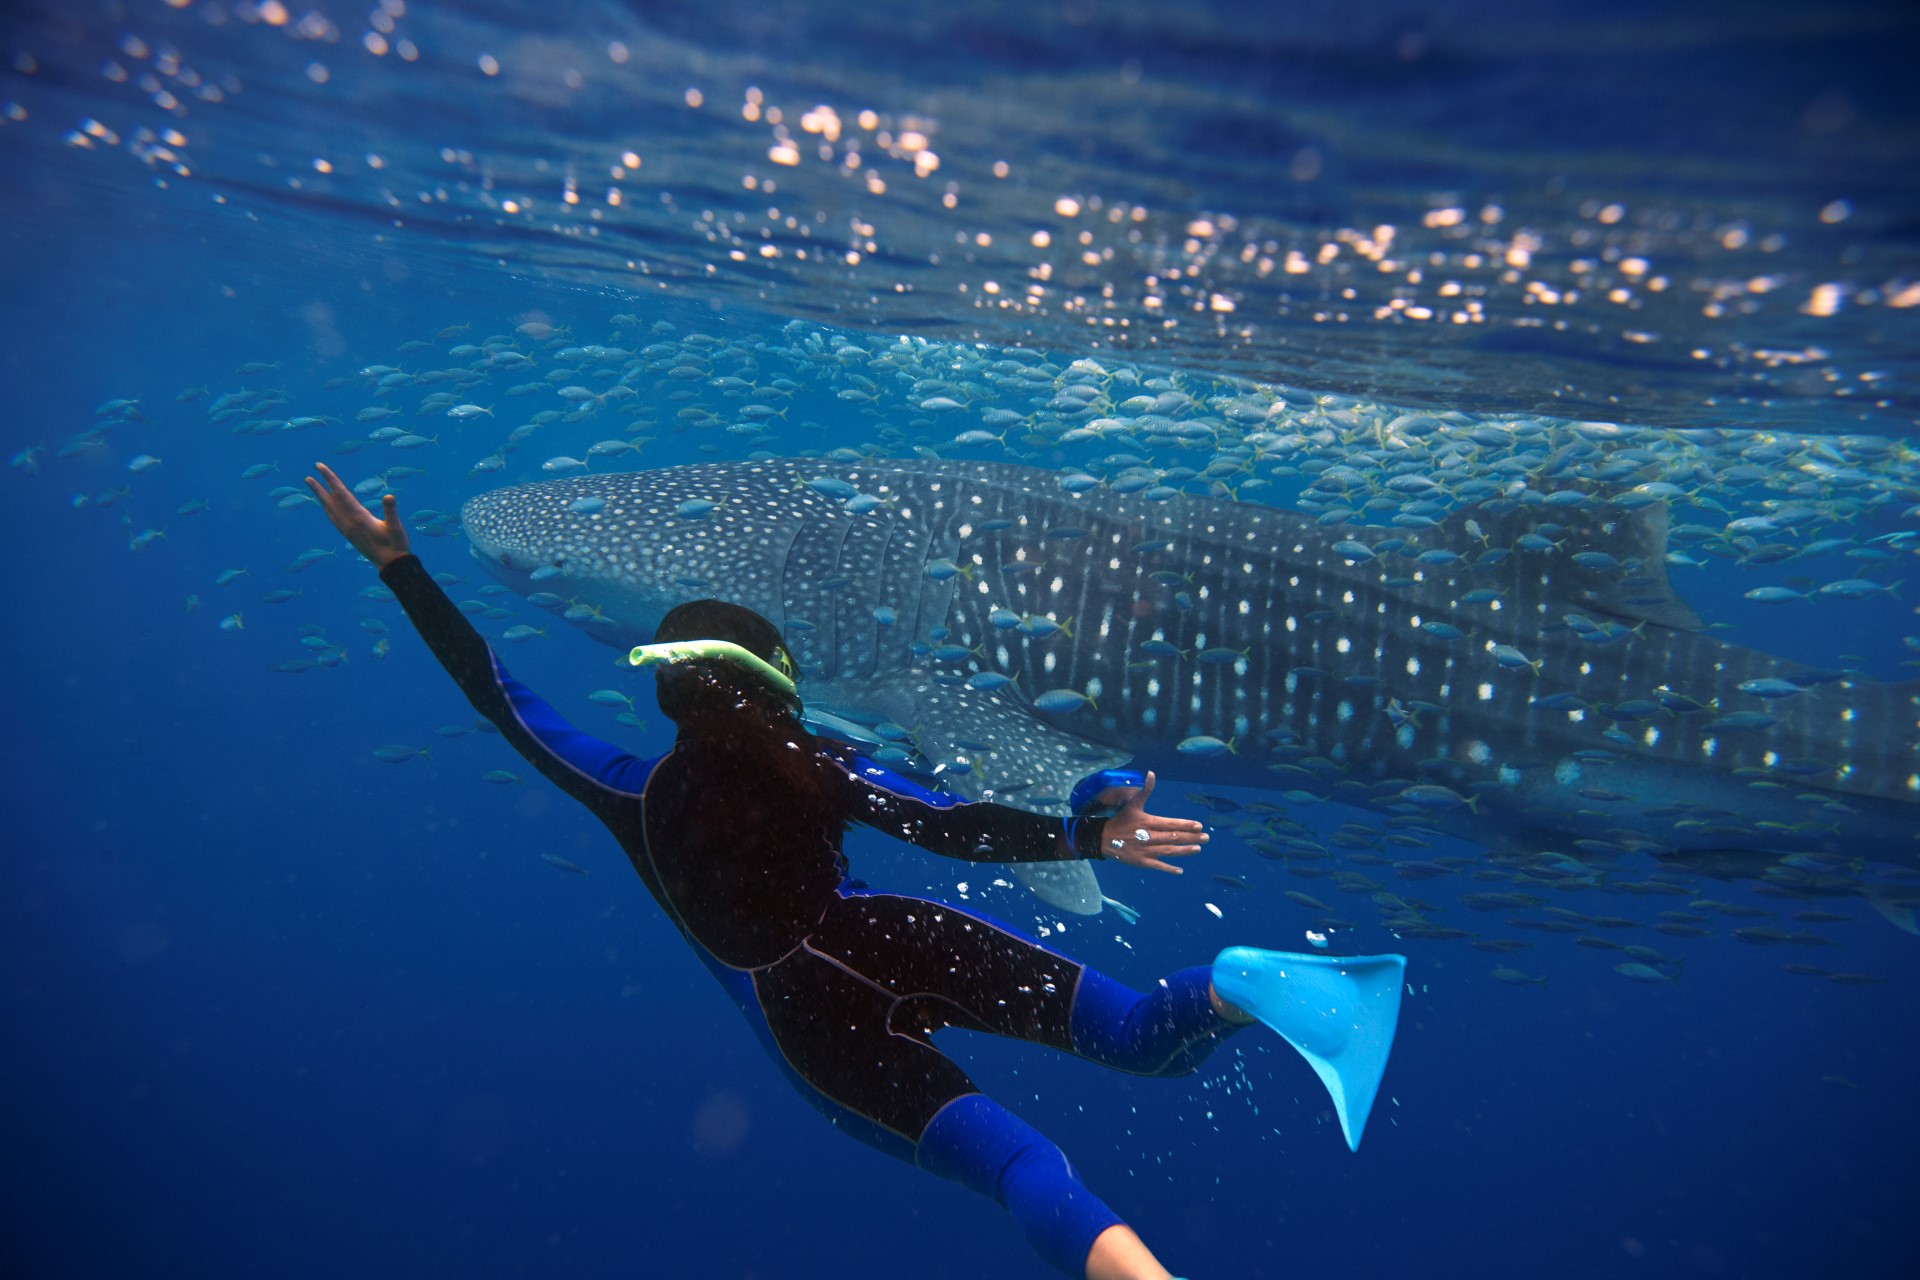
[(736, 831)]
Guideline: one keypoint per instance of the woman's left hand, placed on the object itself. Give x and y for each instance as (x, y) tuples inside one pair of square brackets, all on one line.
[(1141, 839), (381, 539)]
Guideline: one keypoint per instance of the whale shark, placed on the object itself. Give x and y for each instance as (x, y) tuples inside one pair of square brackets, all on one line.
[(1520, 672)]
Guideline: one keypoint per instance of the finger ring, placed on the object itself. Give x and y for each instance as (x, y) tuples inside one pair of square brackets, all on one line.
[(1140, 834)]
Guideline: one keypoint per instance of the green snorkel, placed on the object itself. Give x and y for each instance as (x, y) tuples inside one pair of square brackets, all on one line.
[(647, 655)]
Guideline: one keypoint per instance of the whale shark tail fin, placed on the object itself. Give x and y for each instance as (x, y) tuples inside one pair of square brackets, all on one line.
[(1338, 1011)]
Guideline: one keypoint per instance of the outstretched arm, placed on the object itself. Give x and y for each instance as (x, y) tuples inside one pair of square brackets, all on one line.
[(598, 774), (981, 832)]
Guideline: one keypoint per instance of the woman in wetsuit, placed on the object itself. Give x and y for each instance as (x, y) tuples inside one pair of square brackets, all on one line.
[(736, 831)]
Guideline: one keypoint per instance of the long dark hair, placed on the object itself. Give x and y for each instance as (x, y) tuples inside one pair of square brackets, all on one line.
[(741, 728)]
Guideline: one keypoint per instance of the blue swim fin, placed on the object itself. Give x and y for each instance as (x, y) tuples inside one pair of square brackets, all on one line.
[(1338, 1011)]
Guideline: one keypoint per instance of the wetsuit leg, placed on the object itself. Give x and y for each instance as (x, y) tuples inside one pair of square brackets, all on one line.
[(840, 1037), (1169, 1031), (981, 1145), (850, 1014), (955, 968), (863, 1057)]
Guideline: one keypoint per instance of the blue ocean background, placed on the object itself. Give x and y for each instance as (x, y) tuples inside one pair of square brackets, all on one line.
[(272, 1006)]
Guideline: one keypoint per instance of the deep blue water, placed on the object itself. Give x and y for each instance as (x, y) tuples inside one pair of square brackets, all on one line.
[(272, 1006)]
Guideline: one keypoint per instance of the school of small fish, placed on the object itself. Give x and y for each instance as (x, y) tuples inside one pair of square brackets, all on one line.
[(1822, 522)]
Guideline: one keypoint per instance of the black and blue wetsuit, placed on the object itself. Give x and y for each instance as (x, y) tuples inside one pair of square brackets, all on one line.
[(846, 986)]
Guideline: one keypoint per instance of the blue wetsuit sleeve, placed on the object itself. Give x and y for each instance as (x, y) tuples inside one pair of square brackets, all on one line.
[(596, 773), (955, 828)]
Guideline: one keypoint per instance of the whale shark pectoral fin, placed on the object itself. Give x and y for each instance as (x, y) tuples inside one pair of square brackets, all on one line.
[(1069, 886), (825, 724), (1027, 763), (1010, 755), (1340, 1012), (1899, 914)]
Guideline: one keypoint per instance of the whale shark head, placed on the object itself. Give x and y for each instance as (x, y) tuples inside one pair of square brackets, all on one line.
[(622, 548), (508, 537), (591, 541)]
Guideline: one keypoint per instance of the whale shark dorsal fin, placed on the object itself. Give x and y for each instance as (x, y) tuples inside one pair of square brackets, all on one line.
[(1637, 591), (1645, 594)]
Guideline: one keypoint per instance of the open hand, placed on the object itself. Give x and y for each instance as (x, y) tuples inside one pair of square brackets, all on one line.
[(380, 540), (1141, 839)]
